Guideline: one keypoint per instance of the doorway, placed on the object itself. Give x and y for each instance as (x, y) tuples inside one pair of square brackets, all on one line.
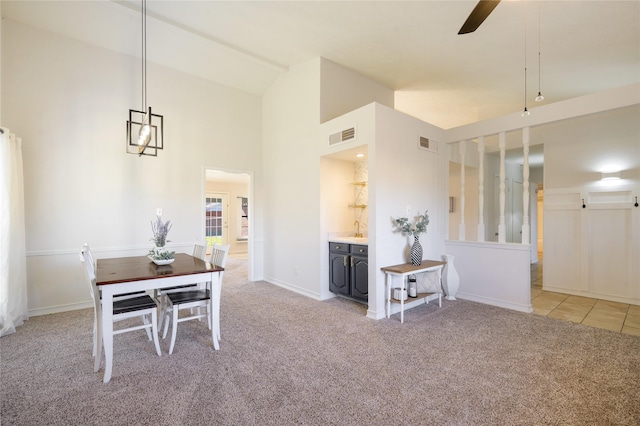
[(227, 218)]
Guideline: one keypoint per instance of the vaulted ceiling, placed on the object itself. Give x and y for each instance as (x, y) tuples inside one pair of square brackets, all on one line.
[(410, 46)]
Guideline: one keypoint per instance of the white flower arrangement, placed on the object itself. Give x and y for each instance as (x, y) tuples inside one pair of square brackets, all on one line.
[(420, 226)]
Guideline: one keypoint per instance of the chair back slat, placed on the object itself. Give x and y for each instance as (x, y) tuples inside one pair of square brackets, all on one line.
[(219, 255), (200, 251)]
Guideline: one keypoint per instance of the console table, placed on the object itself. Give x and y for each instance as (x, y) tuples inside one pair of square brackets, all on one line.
[(405, 269)]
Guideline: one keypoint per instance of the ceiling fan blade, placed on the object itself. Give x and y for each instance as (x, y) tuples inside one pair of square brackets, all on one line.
[(478, 15)]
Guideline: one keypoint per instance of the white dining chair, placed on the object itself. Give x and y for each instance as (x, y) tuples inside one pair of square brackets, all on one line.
[(200, 252), (123, 308), (219, 258), (92, 261), (201, 298)]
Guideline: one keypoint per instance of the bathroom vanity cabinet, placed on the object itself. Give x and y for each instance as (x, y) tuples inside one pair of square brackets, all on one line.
[(349, 270)]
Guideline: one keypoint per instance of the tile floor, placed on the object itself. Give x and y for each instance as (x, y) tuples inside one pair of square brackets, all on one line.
[(614, 316)]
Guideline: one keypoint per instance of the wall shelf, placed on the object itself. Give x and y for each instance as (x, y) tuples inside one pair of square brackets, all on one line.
[(358, 206)]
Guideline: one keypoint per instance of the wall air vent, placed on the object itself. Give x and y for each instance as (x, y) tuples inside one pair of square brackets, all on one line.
[(343, 136), (428, 144)]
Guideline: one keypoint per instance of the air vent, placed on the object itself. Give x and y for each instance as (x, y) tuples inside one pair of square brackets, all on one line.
[(343, 136), (426, 143)]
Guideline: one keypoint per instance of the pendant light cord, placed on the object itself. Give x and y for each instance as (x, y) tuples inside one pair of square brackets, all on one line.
[(525, 56), (539, 97), (538, 46), (144, 55)]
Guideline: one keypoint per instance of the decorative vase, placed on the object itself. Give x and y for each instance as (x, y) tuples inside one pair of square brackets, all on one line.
[(158, 250), (415, 253), (450, 278)]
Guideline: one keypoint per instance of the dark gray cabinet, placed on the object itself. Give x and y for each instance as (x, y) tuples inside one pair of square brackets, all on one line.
[(349, 270)]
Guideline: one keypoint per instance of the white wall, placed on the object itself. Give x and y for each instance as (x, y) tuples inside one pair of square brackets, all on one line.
[(69, 102), (492, 273), (401, 174), (295, 256), (596, 248), (343, 90), (292, 172)]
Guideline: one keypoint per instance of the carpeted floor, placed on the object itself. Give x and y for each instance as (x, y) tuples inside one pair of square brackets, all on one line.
[(287, 359)]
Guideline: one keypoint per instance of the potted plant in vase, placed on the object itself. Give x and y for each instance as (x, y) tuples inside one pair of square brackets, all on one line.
[(160, 231), (418, 227)]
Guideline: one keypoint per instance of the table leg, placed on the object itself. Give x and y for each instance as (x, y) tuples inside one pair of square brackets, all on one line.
[(214, 308), (107, 332), (388, 289), (402, 300), (440, 288)]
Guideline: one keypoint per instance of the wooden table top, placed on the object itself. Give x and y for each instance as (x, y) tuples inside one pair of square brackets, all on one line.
[(124, 269), (405, 268)]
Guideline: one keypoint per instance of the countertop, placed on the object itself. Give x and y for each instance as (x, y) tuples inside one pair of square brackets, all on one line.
[(350, 240)]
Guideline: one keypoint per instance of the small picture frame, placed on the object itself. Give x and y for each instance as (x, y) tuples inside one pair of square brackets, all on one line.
[(451, 204)]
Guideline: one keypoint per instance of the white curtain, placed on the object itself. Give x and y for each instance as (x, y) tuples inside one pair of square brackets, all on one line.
[(13, 261)]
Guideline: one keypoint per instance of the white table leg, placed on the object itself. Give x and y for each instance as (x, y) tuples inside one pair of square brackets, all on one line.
[(402, 300), (439, 271), (388, 284), (214, 308), (107, 332), (212, 319)]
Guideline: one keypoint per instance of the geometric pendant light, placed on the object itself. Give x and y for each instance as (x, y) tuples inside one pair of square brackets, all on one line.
[(144, 129)]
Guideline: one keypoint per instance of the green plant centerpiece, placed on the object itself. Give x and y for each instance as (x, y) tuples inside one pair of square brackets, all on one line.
[(160, 231), (418, 227)]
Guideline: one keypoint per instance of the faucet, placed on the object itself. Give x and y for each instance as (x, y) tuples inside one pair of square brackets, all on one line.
[(358, 234)]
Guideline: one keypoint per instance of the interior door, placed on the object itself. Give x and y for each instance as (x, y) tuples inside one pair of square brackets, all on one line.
[(216, 223)]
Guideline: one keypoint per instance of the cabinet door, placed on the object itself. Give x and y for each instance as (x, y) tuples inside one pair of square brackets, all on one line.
[(359, 277), (338, 273)]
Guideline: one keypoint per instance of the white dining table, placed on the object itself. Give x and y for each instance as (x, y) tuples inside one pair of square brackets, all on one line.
[(130, 274)]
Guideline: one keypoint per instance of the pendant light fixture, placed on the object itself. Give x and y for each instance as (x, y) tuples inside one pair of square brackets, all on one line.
[(526, 111), (539, 98), (144, 129)]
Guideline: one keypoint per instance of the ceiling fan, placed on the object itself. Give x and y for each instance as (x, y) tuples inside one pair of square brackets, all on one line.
[(478, 15)]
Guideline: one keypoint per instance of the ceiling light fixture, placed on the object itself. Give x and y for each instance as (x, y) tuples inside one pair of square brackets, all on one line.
[(610, 176), (526, 111), (359, 155), (144, 129), (539, 98)]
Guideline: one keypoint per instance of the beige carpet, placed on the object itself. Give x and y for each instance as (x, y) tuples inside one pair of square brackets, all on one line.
[(286, 359)]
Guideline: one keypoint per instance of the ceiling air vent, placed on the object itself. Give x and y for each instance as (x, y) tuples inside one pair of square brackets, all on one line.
[(426, 143), (343, 136)]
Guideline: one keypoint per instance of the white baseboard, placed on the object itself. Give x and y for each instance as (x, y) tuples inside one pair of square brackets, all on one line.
[(60, 308), (293, 288), (495, 302)]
